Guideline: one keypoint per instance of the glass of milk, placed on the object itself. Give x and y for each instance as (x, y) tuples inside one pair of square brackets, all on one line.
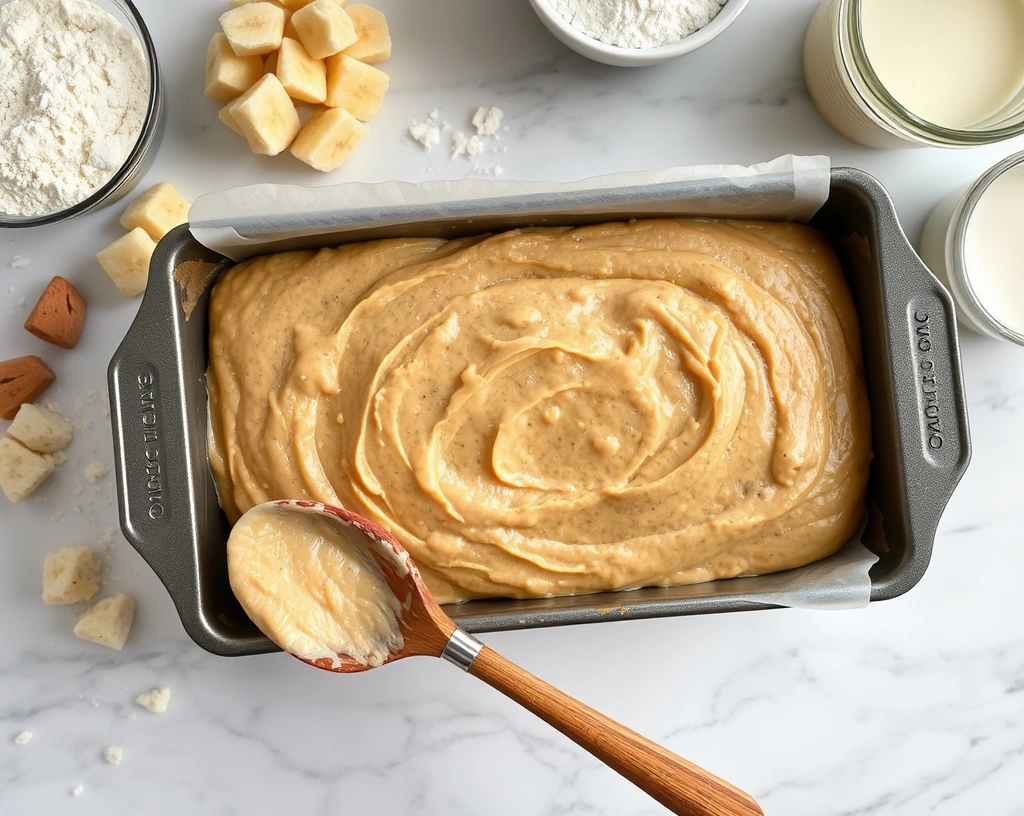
[(895, 73), (974, 242)]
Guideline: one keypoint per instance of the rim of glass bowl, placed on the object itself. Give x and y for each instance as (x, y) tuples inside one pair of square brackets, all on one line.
[(959, 246), (150, 129), (874, 94), (656, 54)]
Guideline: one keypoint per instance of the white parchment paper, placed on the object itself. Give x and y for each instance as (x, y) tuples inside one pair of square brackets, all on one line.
[(246, 221)]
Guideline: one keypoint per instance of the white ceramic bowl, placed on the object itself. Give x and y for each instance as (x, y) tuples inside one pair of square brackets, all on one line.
[(633, 57)]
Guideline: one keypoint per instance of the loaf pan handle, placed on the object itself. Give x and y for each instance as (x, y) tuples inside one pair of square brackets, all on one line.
[(931, 410), (154, 445)]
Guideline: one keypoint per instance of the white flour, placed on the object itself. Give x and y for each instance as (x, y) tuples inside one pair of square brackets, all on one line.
[(638, 23), (75, 94)]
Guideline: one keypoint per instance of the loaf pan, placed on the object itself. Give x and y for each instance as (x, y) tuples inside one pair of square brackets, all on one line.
[(168, 503)]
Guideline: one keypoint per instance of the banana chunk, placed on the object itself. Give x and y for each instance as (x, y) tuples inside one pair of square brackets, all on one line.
[(304, 78), (328, 139), (21, 470), (159, 210), (374, 40), (70, 575), (254, 28), (108, 621), (227, 74), (224, 114), (266, 115), (126, 261), (355, 86), (324, 28), (39, 429)]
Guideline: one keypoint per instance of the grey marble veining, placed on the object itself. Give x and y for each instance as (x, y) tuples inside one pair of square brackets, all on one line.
[(914, 706)]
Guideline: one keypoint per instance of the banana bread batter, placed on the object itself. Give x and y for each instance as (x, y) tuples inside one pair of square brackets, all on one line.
[(553, 411), (311, 588)]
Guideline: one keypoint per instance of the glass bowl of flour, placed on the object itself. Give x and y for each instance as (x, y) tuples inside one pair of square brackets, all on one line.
[(82, 112), (634, 33)]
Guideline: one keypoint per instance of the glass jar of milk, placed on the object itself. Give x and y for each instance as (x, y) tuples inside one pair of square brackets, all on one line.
[(893, 73), (974, 242)]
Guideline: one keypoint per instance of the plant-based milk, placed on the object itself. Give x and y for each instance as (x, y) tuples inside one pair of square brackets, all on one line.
[(953, 63), (994, 249)]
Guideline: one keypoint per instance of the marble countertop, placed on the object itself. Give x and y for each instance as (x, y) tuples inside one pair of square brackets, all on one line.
[(911, 706)]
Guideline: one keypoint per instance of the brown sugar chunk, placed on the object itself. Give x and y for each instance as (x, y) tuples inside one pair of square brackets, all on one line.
[(59, 314), (22, 380)]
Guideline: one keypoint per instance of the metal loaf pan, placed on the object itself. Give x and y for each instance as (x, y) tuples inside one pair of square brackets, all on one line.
[(168, 503)]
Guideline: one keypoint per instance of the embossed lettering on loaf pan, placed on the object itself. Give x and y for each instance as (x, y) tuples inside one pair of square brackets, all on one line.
[(168, 503)]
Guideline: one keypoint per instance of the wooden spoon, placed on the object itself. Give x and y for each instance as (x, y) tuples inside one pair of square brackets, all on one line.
[(681, 786)]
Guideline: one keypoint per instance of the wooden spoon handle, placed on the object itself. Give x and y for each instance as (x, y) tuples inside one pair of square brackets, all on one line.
[(681, 786)]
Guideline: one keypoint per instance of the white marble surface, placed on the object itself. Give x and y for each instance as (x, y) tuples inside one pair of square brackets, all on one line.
[(912, 706)]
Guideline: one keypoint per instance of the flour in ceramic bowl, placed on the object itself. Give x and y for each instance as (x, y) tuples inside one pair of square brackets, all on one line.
[(76, 90), (638, 23)]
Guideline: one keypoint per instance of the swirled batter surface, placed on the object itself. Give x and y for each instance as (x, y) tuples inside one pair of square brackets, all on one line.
[(553, 411)]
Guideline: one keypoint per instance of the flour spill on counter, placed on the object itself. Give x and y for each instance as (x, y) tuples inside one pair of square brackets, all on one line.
[(487, 121)]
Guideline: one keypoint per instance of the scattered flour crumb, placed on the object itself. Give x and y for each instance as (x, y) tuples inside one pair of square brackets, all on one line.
[(463, 146), (114, 754), (77, 790), (487, 121), (95, 471), (155, 700), (57, 516), (91, 395), (21, 301), (20, 262), (427, 132), (106, 541), (24, 738)]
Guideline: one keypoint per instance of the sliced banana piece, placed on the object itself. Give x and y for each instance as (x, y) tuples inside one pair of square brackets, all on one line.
[(355, 86), (374, 40), (255, 28), (303, 77), (126, 261), (324, 28), (224, 114), (159, 210), (328, 139), (266, 115), (227, 74)]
